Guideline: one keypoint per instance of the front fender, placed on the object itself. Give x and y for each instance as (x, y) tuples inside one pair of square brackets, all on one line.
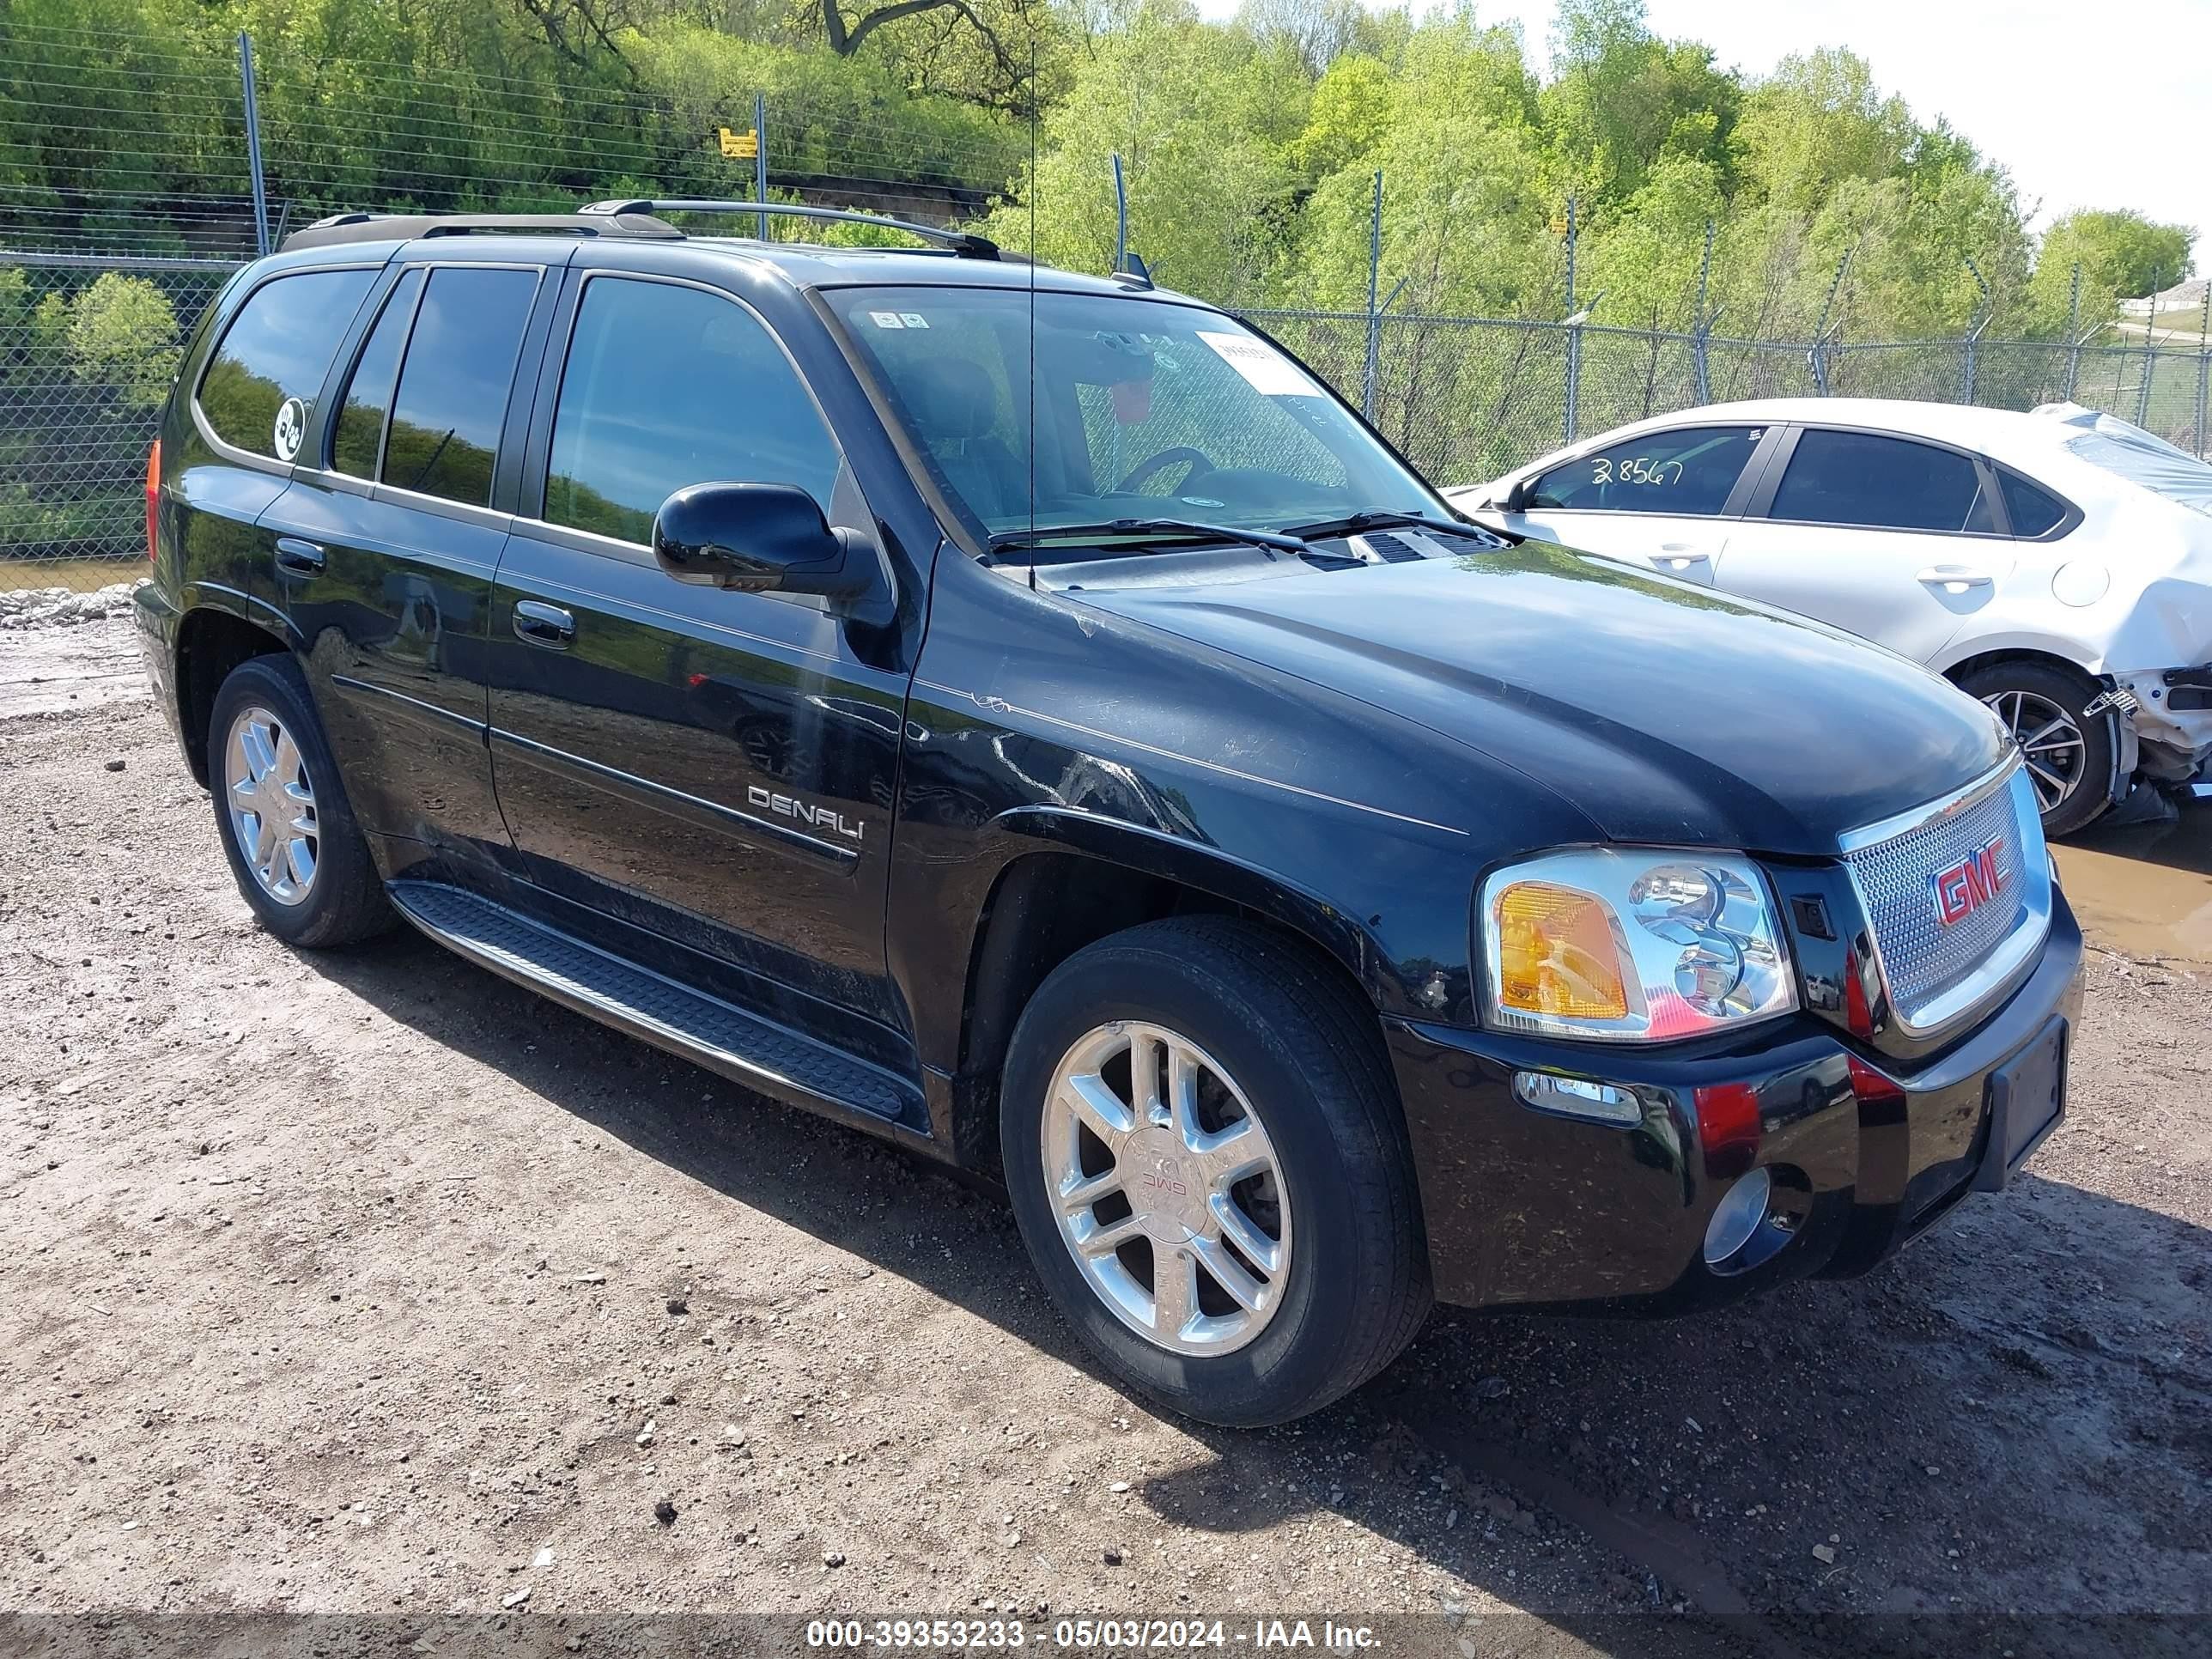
[(1207, 870)]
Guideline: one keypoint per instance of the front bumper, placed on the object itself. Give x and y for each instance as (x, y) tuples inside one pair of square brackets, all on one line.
[(2171, 719), (1522, 1207)]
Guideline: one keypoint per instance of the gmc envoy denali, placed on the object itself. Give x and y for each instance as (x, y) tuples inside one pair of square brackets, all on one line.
[(1028, 717)]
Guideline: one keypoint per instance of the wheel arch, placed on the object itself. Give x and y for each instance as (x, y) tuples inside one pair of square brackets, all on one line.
[(1068, 879), (2122, 741), (211, 641), (1957, 672)]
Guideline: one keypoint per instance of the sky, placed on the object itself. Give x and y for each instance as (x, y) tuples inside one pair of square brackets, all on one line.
[(2086, 105)]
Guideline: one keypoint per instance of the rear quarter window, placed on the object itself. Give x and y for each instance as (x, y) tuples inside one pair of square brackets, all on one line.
[(2034, 511), (274, 354)]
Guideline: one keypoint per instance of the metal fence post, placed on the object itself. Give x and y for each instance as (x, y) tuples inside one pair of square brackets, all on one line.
[(2203, 369), (1980, 320), (2074, 334), (1700, 329), (1819, 354), (759, 156), (254, 143), (1374, 316), (2150, 366), (1574, 332)]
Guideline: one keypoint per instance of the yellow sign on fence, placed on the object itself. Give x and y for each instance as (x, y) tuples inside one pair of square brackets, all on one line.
[(739, 146)]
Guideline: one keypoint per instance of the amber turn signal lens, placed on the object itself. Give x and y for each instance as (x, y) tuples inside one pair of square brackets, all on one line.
[(1556, 953)]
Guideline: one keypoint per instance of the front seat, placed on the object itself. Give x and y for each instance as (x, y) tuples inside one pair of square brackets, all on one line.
[(956, 410)]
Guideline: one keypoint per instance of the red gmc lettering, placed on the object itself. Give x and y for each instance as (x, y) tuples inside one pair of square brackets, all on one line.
[(1969, 884)]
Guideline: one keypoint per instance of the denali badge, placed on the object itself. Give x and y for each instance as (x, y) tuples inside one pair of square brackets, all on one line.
[(1968, 884), (822, 817)]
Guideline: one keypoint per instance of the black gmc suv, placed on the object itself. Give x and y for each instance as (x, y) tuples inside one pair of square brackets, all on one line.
[(1027, 716)]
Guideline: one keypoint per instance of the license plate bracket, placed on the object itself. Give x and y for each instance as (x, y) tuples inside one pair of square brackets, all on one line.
[(2026, 1100)]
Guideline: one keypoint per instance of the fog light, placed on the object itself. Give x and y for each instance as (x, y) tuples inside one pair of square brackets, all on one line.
[(1577, 1096), (1743, 1207)]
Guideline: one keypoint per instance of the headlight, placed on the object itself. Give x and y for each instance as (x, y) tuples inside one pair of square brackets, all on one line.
[(1630, 943)]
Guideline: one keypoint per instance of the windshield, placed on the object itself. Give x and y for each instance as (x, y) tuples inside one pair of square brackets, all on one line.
[(1144, 410), (2121, 447)]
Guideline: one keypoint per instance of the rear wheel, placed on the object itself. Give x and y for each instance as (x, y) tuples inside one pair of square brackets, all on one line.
[(298, 858), (1210, 1172), (2067, 752)]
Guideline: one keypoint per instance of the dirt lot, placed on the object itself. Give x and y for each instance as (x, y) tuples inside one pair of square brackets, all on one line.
[(369, 1284)]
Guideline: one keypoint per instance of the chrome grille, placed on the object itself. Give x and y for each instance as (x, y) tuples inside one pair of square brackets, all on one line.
[(1924, 962)]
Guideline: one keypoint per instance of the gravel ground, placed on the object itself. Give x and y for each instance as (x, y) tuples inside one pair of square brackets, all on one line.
[(368, 1284)]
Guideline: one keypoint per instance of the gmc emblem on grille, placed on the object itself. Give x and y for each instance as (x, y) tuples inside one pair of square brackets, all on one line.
[(1968, 884)]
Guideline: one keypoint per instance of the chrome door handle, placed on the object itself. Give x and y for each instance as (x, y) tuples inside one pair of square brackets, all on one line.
[(299, 558), (548, 625)]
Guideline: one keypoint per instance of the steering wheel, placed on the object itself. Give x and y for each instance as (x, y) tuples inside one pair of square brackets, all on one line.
[(1200, 466)]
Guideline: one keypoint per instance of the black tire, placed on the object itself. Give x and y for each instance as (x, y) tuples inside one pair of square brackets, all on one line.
[(344, 902), (2070, 693), (1307, 1052)]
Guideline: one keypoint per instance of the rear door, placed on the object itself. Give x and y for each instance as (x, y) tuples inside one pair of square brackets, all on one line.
[(1662, 499), (383, 549), (1893, 538), (714, 767)]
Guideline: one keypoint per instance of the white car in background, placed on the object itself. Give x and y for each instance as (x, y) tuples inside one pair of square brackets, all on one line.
[(2057, 565)]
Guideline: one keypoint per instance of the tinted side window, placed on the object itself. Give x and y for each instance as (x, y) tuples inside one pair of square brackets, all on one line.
[(666, 386), (1690, 470), (278, 348), (2032, 510), (1888, 483), (453, 391), (360, 435)]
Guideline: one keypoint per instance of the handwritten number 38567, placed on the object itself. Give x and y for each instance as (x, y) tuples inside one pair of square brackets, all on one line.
[(1636, 469)]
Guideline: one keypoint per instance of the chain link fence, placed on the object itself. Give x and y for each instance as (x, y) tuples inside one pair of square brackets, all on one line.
[(110, 255), (88, 346), (1467, 398), (88, 343)]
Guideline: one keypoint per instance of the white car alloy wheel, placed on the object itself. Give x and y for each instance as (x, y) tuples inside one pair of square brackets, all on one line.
[(2050, 742), (271, 802), (1167, 1190)]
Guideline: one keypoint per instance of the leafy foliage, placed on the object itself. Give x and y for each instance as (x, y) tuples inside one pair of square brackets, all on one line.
[(1249, 147)]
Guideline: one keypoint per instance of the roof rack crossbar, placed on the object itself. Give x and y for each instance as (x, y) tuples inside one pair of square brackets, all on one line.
[(963, 243)]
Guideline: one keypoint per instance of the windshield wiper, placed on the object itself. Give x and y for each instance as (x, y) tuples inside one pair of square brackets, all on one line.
[(1190, 528), (1384, 519)]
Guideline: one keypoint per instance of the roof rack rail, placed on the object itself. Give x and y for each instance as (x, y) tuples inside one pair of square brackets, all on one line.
[(967, 245), (411, 226)]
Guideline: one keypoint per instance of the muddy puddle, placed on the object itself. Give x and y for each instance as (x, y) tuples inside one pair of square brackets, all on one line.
[(2145, 892)]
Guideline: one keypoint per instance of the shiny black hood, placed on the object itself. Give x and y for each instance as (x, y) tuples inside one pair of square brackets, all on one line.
[(1664, 712)]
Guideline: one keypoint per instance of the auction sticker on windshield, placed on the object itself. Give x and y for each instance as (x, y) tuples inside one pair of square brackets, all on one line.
[(1270, 373)]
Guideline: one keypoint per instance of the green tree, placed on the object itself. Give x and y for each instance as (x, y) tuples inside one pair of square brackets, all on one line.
[(1203, 117), (122, 333), (2122, 254)]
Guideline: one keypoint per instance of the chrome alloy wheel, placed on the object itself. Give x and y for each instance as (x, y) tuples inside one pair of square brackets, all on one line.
[(2049, 741), (1167, 1190), (272, 805)]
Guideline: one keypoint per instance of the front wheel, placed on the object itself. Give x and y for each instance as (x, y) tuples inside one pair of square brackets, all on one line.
[(1209, 1169), (2067, 750)]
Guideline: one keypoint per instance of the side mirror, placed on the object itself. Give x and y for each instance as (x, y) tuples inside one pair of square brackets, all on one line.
[(1517, 498), (758, 539)]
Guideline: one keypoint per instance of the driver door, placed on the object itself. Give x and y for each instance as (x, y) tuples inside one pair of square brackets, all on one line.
[(713, 766)]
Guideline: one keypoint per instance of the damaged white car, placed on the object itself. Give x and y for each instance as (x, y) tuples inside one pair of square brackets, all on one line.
[(2057, 565)]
